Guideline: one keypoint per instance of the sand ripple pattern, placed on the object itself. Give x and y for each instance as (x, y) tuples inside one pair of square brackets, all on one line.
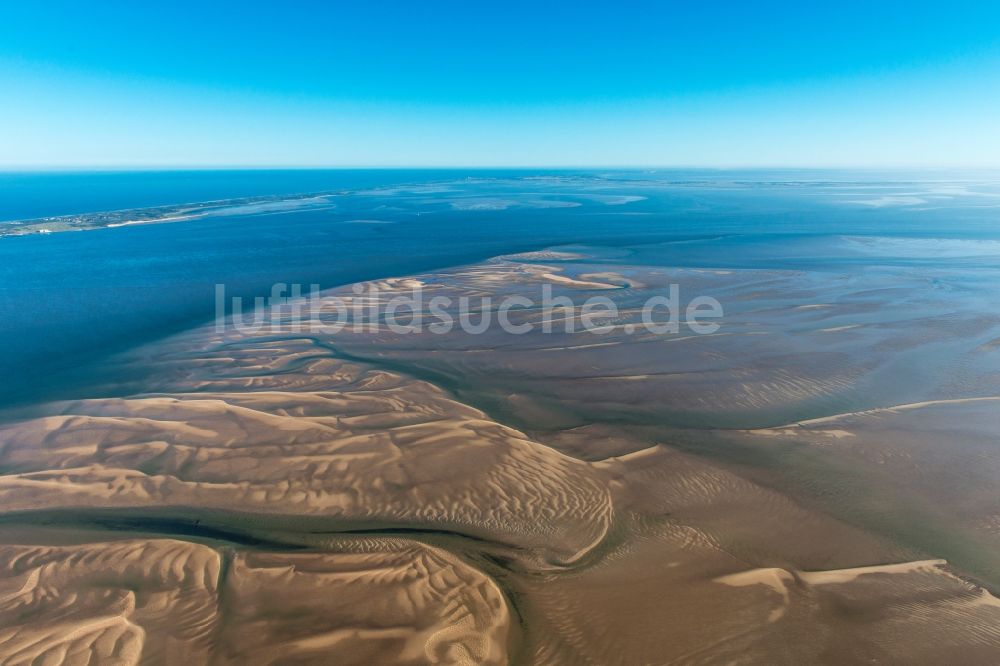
[(405, 456), (161, 601), (305, 498)]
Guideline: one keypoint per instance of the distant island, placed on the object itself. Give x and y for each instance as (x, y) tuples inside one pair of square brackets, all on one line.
[(169, 213)]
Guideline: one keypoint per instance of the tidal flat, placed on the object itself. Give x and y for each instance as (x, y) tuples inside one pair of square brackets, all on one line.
[(812, 481)]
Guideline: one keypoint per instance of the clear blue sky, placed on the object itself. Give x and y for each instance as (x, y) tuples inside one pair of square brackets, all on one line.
[(760, 83)]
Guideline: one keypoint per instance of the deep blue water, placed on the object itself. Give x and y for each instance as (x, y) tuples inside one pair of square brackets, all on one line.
[(28, 195), (69, 299)]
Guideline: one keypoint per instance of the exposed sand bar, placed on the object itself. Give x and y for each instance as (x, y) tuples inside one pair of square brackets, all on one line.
[(370, 497)]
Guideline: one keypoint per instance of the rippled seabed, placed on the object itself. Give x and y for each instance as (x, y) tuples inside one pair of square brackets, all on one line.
[(814, 482)]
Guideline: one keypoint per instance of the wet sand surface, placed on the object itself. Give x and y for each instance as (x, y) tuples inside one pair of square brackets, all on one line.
[(812, 483)]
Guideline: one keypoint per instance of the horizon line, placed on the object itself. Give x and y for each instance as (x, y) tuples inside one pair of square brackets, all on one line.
[(26, 168)]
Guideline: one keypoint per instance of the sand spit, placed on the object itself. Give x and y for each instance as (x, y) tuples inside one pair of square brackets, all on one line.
[(809, 423), (578, 284), (544, 255), (842, 576)]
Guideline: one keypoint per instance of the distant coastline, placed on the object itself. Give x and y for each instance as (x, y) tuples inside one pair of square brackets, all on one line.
[(163, 214)]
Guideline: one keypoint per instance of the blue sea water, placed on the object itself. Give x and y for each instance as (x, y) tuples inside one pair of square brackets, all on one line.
[(35, 194), (67, 300)]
